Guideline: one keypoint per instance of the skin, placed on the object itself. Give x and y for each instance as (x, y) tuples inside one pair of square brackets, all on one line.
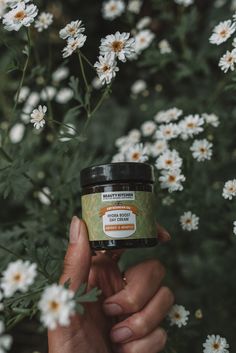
[(127, 316)]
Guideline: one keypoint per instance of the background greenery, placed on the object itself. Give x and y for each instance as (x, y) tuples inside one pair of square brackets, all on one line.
[(201, 265)]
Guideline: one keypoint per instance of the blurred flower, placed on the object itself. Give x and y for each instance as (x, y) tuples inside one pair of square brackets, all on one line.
[(168, 201), (166, 116), (134, 135), (170, 159), (134, 6), (138, 86), (5, 342), (67, 132), (118, 45), (143, 22), (13, 3), (136, 153), (228, 61), (19, 275), (184, 2), (148, 128), (215, 344), (234, 227), (96, 83), (211, 119), (44, 20), (72, 30), (143, 40), (119, 157), (198, 314), (172, 180), (167, 132), (222, 32), (158, 147), (202, 150), (164, 47), (60, 74), (16, 133), (178, 315), (191, 125), (106, 68), (24, 92), (21, 15), (112, 9), (42, 196), (64, 95), (37, 116), (48, 93), (73, 44), (56, 306), (189, 221), (229, 190), (3, 7)]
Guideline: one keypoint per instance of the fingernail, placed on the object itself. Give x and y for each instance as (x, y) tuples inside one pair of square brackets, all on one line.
[(113, 309), (121, 334), (74, 230)]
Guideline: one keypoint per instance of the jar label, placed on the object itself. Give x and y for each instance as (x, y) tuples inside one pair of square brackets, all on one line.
[(119, 215)]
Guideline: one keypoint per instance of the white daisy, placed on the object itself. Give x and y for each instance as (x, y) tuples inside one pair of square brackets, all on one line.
[(134, 136), (229, 190), (13, 3), (211, 119), (215, 344), (167, 132), (72, 30), (178, 315), (202, 150), (106, 68), (42, 196), (148, 128), (118, 45), (73, 44), (120, 141), (37, 116), (136, 153), (57, 305), (96, 83), (134, 6), (189, 221), (143, 40), (21, 15), (184, 2), (60, 74), (44, 20), (138, 87), (166, 116), (191, 125), (164, 47), (222, 32), (112, 9), (143, 22), (172, 180), (3, 6), (228, 61), (119, 157), (169, 160), (19, 275), (234, 227), (64, 95), (16, 133), (158, 147), (48, 93)]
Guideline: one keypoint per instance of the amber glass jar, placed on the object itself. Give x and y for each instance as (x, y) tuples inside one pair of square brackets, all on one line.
[(118, 205)]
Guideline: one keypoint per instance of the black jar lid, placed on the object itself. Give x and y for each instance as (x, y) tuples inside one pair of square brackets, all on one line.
[(115, 172)]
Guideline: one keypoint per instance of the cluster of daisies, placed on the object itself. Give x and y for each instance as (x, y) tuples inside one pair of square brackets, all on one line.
[(152, 142), (56, 304), (221, 33), (20, 13), (229, 192), (179, 316)]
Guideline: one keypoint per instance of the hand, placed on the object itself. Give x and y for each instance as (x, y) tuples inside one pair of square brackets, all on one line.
[(127, 316)]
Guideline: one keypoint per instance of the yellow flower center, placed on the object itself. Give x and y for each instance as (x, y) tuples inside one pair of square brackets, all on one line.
[(171, 178), (117, 45), (106, 68), (17, 277), (135, 156), (177, 316), (54, 305), (20, 15), (216, 345), (223, 33)]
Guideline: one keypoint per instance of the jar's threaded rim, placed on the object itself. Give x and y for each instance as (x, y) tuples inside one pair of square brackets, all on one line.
[(115, 172)]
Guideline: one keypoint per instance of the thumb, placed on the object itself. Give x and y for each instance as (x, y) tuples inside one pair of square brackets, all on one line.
[(78, 256)]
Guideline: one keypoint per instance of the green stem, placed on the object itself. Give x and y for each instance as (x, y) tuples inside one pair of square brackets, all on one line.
[(63, 124), (11, 252), (82, 70), (87, 61), (24, 70), (103, 97)]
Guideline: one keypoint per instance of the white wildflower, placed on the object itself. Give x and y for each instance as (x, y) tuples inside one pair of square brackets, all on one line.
[(137, 153), (167, 132), (112, 9), (202, 150), (24, 92), (172, 180), (228, 61), (148, 128), (96, 83), (72, 30), (44, 196), (67, 132), (134, 136), (143, 40), (60, 74), (189, 221), (164, 47), (3, 6), (48, 93), (73, 44), (185, 3), (234, 227), (191, 125), (119, 157), (13, 3), (44, 20), (57, 305), (143, 22), (222, 32), (64, 95), (229, 190), (168, 201), (134, 6), (16, 133), (106, 68), (5, 343), (211, 119), (166, 116), (37, 116), (215, 344), (18, 276), (118, 45), (21, 15), (32, 100), (178, 315), (138, 87), (170, 159), (158, 147)]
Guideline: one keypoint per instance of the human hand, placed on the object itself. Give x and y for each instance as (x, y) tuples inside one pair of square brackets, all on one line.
[(127, 316)]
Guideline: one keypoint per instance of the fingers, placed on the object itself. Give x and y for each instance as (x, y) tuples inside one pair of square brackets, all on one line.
[(78, 256), (143, 281), (145, 321), (162, 234), (152, 343)]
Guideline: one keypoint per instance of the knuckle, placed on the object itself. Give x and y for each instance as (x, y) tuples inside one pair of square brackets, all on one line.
[(140, 325), (156, 268), (162, 338), (168, 294), (132, 303)]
